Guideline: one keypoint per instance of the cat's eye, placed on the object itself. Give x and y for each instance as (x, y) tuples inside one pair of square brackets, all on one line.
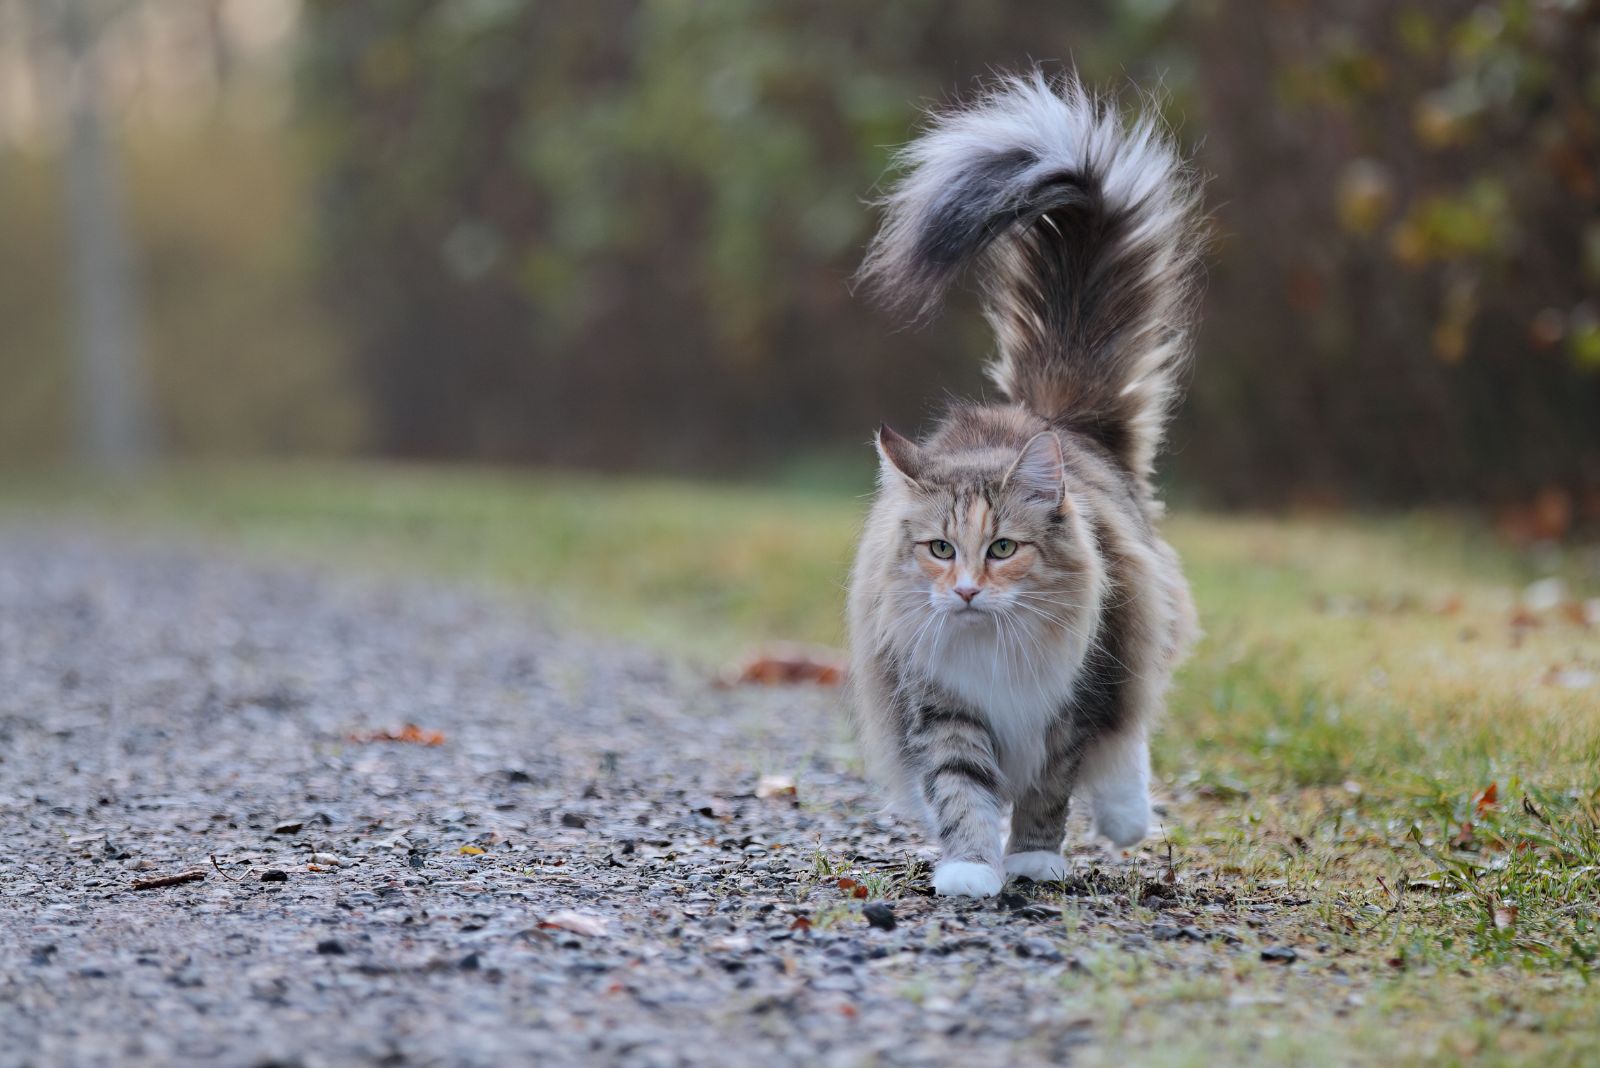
[(941, 550), (1001, 548)]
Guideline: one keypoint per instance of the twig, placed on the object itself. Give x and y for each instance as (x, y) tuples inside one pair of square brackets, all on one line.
[(222, 873), (191, 876)]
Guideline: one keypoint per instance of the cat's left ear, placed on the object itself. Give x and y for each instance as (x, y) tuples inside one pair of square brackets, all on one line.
[(898, 456), (1040, 469)]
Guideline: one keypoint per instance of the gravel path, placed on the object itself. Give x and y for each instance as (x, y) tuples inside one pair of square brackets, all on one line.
[(581, 872)]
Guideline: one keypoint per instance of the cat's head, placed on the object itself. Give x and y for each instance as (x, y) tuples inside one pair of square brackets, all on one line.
[(986, 536)]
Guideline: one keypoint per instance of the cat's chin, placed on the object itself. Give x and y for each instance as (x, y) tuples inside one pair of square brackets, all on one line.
[(969, 617)]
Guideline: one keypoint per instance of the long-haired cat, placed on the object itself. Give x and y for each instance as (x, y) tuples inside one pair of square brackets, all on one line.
[(1014, 616)]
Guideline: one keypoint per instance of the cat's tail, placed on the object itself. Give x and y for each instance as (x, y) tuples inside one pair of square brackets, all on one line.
[(1087, 234)]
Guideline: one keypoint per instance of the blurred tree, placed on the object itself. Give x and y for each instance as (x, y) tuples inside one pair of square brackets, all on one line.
[(115, 426), (620, 232), (1405, 303)]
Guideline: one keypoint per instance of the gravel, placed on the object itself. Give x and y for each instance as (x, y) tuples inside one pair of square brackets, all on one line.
[(579, 872)]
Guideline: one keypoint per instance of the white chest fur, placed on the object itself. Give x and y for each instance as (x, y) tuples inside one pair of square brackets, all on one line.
[(1020, 681)]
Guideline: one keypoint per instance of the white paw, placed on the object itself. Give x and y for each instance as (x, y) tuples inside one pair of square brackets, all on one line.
[(963, 878), (1040, 865), (1124, 821)]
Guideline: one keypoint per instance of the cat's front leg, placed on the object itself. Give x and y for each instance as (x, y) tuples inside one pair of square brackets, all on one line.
[(961, 784)]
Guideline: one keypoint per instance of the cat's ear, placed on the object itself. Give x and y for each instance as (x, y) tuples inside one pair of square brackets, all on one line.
[(898, 457), (1040, 469)]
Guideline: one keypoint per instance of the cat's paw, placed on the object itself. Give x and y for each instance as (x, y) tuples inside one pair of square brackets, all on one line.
[(1123, 821), (964, 878), (1040, 865)]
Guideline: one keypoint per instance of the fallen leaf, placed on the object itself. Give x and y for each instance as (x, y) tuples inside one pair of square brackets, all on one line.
[(471, 851), (775, 786), (409, 733), (1486, 798), (790, 666), (800, 924), (576, 922), (1505, 917), (859, 892), (847, 883)]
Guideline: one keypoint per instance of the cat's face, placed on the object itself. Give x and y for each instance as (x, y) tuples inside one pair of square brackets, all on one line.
[(987, 540)]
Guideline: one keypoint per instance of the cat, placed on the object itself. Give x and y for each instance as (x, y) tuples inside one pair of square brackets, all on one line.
[(1014, 615)]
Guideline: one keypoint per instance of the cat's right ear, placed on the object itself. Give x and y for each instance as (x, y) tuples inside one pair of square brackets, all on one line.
[(899, 458)]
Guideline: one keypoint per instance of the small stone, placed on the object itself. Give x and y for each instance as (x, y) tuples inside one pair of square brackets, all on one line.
[(330, 947), (288, 828), (1039, 949), (573, 819), (1280, 955), (470, 963), (273, 875), (880, 915), (326, 860)]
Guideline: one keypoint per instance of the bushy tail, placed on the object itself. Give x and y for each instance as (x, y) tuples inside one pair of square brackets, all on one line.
[(1089, 238)]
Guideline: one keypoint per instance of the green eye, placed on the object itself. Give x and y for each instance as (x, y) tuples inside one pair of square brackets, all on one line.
[(1001, 548), (942, 550)]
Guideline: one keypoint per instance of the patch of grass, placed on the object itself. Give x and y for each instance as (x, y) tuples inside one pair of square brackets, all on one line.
[(1326, 760)]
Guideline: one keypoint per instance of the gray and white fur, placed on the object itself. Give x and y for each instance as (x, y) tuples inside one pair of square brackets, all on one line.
[(1015, 617)]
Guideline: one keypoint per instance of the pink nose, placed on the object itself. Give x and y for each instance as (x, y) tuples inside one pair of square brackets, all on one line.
[(967, 593)]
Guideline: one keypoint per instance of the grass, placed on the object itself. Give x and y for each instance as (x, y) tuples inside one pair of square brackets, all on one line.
[(1377, 743)]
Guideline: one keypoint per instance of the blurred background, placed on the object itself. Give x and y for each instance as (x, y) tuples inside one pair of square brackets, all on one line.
[(618, 234)]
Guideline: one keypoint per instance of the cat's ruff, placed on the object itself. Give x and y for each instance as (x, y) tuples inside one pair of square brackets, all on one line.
[(1014, 616)]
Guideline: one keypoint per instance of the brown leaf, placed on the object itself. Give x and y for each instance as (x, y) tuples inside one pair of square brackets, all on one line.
[(859, 892), (409, 733), (1505, 917), (847, 883), (800, 924), (788, 667), (1486, 798)]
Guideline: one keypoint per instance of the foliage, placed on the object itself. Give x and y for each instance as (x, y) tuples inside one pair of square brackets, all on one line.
[(1407, 296), (621, 232)]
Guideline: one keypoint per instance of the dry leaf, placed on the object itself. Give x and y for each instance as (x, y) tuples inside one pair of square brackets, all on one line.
[(775, 786), (847, 884), (471, 851), (1486, 797), (1505, 917), (410, 733), (800, 924), (576, 922), (790, 666)]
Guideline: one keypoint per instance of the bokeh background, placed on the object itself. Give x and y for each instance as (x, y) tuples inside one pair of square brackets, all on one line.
[(618, 234)]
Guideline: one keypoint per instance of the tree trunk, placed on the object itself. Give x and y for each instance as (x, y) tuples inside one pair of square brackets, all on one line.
[(114, 424)]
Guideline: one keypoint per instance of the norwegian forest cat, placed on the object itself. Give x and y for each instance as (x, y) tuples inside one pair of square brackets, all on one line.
[(1014, 616)]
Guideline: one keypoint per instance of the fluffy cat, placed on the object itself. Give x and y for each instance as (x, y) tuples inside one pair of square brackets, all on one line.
[(1014, 615)]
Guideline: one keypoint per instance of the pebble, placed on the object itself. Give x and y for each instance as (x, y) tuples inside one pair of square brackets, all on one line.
[(715, 938)]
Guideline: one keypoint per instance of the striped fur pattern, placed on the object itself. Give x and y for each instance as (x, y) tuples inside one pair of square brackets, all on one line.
[(1014, 615)]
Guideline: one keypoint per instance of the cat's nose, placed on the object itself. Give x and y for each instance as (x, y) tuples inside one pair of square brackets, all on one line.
[(967, 593)]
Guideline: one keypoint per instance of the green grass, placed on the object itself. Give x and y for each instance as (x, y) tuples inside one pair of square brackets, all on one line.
[(1326, 758)]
